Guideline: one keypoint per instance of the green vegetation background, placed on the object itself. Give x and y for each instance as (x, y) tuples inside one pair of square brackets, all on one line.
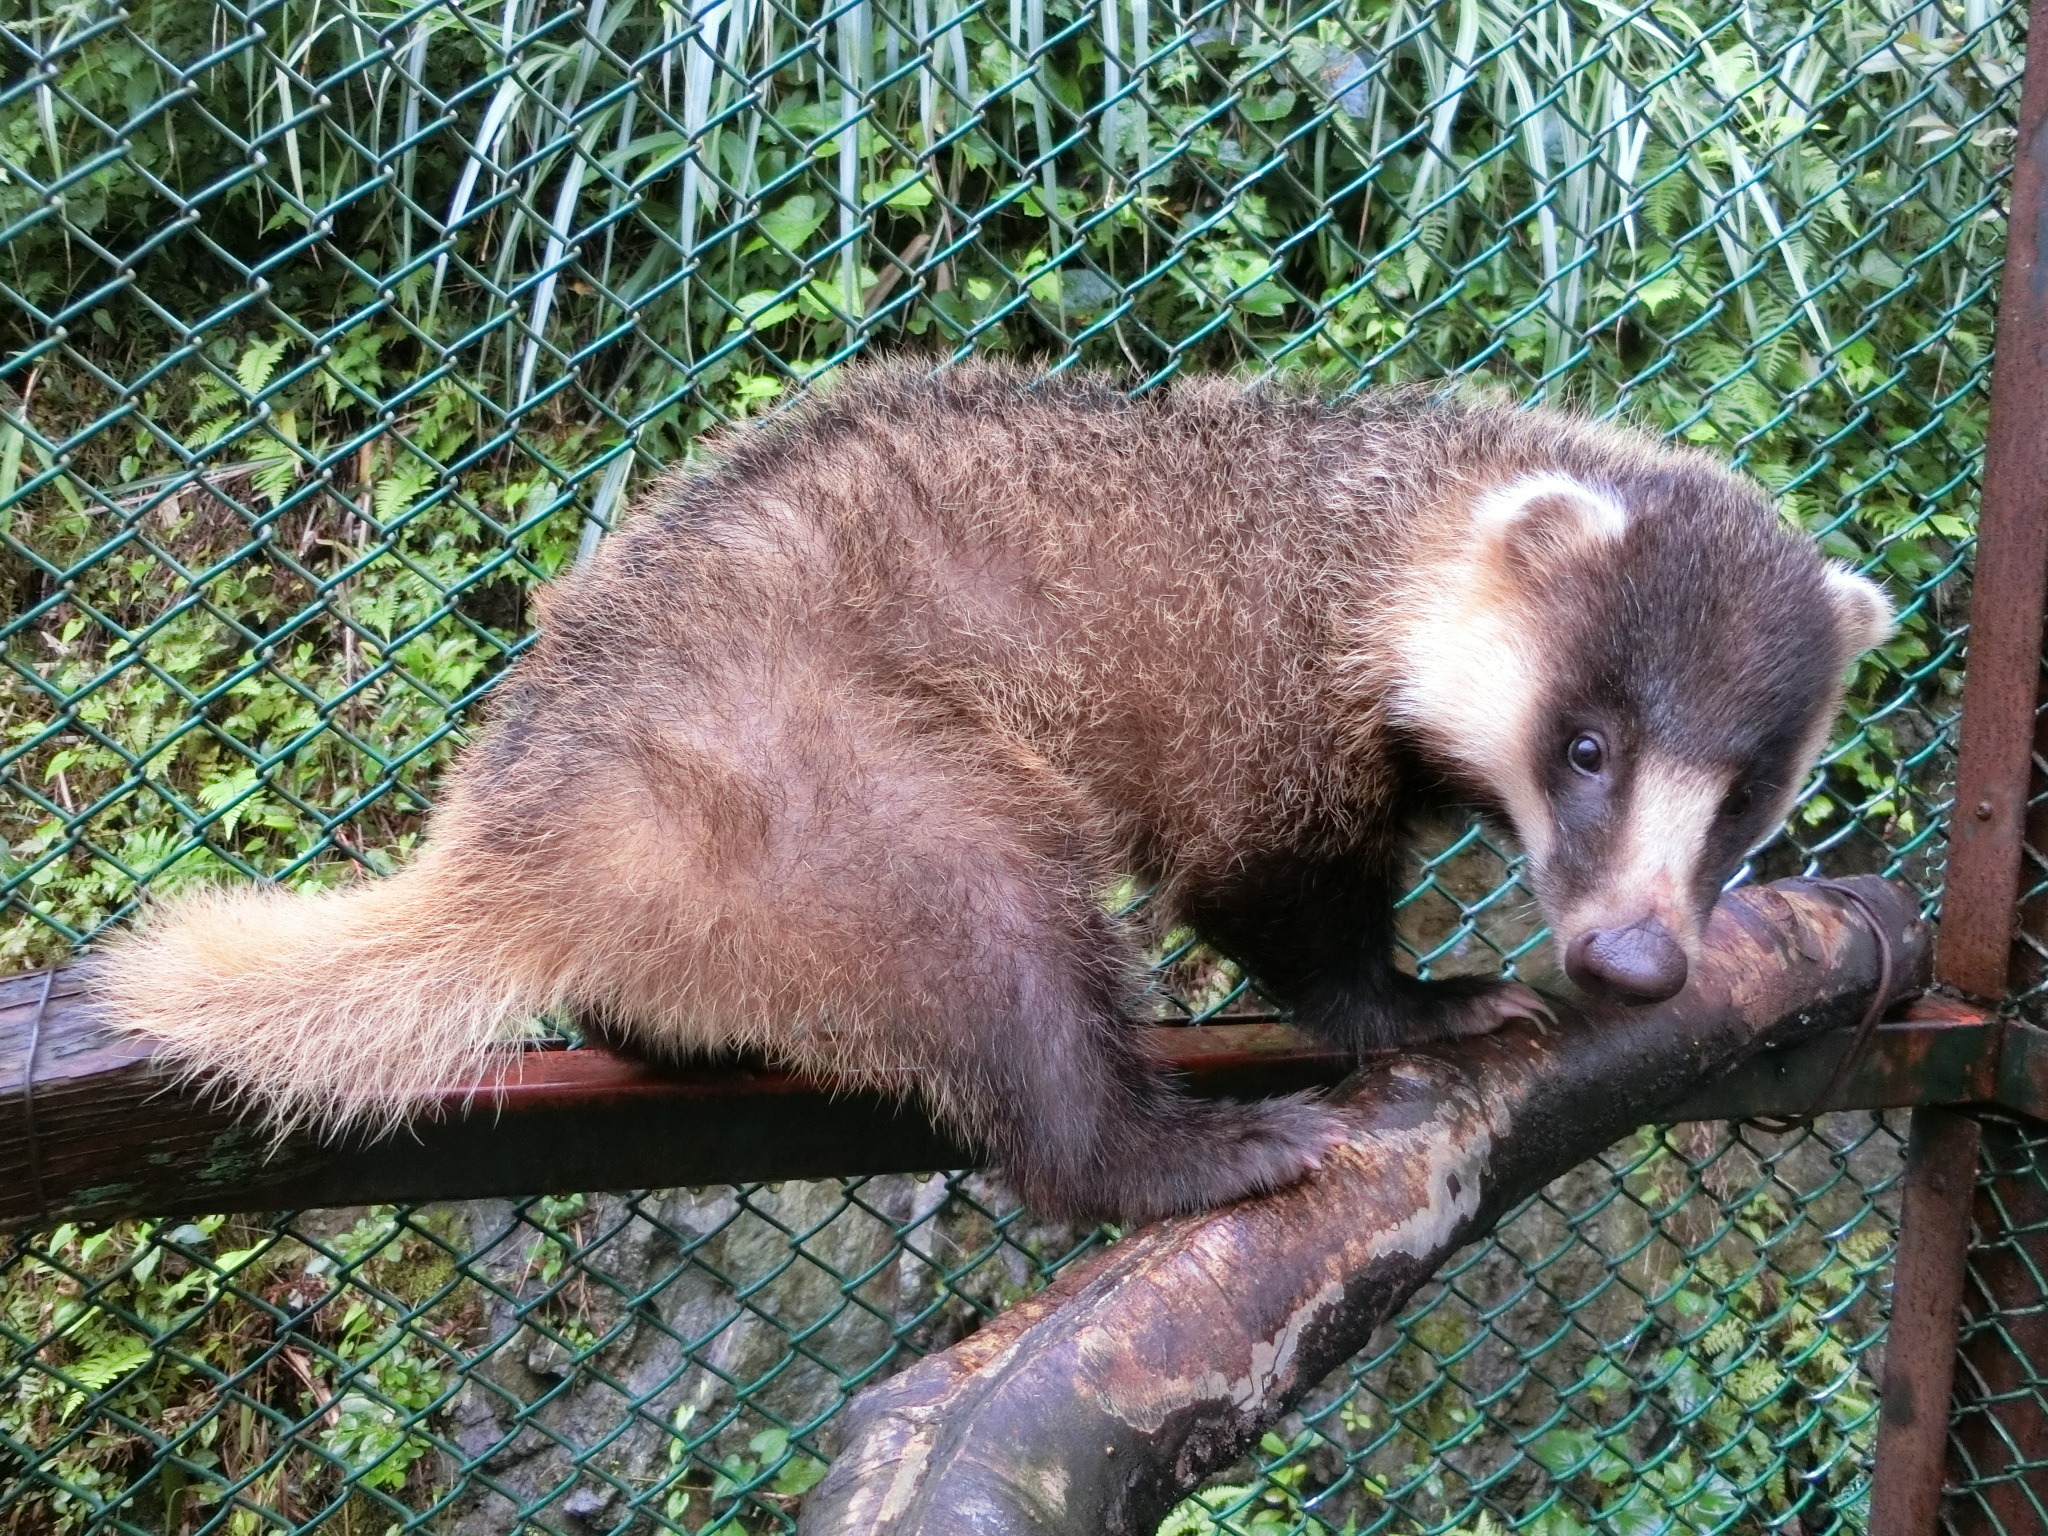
[(333, 329), (326, 350)]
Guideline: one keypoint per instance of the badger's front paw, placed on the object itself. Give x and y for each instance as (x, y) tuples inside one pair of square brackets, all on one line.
[(1455, 1009)]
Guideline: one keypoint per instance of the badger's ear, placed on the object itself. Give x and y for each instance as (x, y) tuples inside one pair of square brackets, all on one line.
[(1862, 612), (1545, 516)]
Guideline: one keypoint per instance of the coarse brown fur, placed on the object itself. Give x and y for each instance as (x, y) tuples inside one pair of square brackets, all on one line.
[(835, 747)]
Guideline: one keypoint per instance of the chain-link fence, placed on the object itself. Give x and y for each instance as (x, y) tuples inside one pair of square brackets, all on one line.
[(333, 326), (1672, 1338)]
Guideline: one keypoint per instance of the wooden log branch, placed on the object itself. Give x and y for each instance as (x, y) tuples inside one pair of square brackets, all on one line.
[(1099, 1404)]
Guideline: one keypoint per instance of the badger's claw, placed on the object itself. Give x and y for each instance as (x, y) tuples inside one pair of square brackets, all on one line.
[(1449, 1008), (1484, 1011)]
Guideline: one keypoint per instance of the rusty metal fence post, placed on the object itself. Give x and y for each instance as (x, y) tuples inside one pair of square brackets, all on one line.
[(1981, 1441), (1997, 1478), (2002, 681)]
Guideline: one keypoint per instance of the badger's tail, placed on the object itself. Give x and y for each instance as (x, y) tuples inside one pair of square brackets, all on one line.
[(336, 1010)]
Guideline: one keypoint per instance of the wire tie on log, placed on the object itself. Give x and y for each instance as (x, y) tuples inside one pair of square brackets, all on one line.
[(1866, 1029), (28, 1093)]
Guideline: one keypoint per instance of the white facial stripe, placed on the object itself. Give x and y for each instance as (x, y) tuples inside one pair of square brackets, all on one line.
[(1656, 859), (1469, 689), (1469, 679), (1601, 515), (1470, 676)]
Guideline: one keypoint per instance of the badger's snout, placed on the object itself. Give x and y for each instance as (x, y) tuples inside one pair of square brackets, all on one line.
[(1641, 963)]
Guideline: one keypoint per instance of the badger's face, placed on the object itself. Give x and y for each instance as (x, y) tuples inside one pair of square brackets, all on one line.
[(1638, 673)]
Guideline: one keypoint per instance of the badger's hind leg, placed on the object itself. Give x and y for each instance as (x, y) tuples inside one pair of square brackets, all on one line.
[(1046, 1068), (915, 910), (1317, 935)]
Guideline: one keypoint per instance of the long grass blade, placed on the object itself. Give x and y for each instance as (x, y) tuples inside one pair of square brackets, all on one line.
[(700, 66), (1112, 84), (511, 92), (1041, 115), (553, 256), (853, 43), (927, 73)]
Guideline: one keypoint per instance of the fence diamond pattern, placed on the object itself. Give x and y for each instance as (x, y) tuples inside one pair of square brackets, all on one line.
[(333, 326)]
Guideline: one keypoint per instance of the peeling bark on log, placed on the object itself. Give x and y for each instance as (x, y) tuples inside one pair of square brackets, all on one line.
[(1097, 1405)]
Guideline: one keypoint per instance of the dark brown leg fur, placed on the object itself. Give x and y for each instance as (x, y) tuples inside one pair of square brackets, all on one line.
[(1020, 983), (1317, 935), (1079, 1120)]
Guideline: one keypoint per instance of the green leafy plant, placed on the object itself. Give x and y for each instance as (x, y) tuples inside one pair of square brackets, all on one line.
[(1268, 1507), (219, 1338)]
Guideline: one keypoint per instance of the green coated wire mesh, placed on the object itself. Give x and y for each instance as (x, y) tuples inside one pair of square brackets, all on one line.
[(2028, 978), (1673, 1338), (333, 326)]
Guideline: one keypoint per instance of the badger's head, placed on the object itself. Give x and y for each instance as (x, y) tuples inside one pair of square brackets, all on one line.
[(1637, 671)]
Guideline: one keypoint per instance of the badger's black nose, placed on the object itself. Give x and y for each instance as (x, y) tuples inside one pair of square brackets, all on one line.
[(1641, 963)]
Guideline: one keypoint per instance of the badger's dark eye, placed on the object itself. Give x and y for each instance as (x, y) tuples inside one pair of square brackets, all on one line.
[(1586, 753), (1738, 801)]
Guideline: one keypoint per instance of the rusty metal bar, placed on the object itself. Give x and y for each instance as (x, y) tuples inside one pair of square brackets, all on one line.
[(1920, 1346), (114, 1140), (2001, 684)]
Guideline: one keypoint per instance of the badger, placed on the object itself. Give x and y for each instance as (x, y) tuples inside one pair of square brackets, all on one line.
[(834, 749)]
